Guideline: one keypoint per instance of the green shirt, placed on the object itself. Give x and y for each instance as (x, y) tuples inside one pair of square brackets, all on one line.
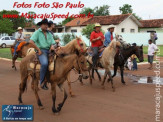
[(39, 38)]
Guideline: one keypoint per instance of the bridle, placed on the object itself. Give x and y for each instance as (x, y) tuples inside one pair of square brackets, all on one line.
[(81, 49)]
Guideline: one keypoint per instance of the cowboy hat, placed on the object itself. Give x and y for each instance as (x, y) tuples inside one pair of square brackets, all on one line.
[(97, 25), (111, 26), (44, 21), (20, 28)]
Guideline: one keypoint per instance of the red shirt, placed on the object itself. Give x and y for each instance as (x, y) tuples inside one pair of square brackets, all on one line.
[(111, 37), (95, 35)]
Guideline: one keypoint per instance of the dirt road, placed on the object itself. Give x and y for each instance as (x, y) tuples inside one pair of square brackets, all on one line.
[(131, 103)]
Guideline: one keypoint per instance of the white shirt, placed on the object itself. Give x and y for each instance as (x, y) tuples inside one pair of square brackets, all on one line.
[(151, 49), (19, 36)]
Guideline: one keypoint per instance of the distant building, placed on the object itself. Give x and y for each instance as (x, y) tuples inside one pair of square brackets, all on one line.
[(124, 23), (154, 25)]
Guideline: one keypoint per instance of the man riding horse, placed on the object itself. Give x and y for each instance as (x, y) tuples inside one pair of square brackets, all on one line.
[(109, 35), (44, 41), (96, 39), (19, 36)]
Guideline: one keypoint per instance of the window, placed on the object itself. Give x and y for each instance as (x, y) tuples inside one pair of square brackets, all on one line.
[(122, 30), (12, 38), (7, 38), (74, 30), (132, 30), (3, 38)]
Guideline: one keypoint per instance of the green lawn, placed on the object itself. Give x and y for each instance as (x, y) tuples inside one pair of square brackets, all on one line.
[(6, 53), (145, 50)]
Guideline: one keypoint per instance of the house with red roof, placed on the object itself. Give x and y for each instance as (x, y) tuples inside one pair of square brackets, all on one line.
[(124, 23)]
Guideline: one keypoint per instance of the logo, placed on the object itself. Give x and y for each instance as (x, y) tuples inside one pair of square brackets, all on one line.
[(17, 112)]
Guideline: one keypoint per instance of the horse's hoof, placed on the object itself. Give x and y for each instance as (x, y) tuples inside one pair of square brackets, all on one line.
[(113, 89), (124, 83), (56, 114), (81, 84), (41, 107), (72, 95)]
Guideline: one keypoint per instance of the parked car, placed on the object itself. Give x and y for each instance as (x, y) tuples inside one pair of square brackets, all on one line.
[(7, 41)]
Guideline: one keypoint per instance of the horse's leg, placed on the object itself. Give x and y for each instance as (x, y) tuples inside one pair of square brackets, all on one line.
[(111, 79), (93, 73), (122, 78), (69, 85), (105, 75), (90, 77), (115, 70), (53, 89), (36, 94), (64, 99), (99, 77), (13, 62), (81, 81), (22, 87)]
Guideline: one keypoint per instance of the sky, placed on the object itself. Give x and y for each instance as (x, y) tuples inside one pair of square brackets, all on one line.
[(146, 9)]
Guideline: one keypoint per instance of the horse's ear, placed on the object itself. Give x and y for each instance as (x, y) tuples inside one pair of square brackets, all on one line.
[(141, 46)]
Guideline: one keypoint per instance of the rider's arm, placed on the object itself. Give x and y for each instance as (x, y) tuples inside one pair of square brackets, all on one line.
[(92, 38)]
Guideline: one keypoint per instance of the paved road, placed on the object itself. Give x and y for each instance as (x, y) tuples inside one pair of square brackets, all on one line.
[(130, 103)]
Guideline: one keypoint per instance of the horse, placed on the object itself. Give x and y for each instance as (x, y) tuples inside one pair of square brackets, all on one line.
[(63, 66), (106, 61), (23, 47), (120, 59)]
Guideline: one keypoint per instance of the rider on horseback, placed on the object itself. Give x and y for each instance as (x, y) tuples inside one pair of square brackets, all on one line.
[(109, 35), (19, 38), (96, 39), (44, 41)]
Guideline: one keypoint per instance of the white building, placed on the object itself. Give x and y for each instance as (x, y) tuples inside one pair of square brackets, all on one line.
[(124, 23)]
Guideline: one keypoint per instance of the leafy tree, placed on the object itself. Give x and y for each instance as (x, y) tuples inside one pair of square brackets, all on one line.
[(88, 30), (67, 38), (31, 20), (126, 9), (101, 11), (20, 21), (6, 26), (67, 20), (86, 11)]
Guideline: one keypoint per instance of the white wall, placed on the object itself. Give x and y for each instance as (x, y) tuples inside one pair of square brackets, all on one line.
[(128, 24)]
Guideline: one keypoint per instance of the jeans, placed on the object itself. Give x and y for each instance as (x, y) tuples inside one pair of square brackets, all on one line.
[(16, 46), (43, 58), (95, 55), (134, 64)]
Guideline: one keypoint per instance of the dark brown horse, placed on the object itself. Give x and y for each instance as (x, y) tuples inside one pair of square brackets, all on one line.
[(62, 69), (21, 53), (121, 58)]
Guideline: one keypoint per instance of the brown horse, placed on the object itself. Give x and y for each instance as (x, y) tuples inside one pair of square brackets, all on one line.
[(63, 67), (21, 53)]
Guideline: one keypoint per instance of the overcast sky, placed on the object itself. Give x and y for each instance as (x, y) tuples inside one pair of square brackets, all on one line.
[(147, 9)]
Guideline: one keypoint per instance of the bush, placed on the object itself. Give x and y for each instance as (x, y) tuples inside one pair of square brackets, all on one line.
[(67, 38)]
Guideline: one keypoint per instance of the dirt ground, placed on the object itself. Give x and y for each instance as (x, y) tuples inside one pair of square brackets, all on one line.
[(129, 103)]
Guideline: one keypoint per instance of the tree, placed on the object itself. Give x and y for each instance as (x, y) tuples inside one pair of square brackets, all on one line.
[(88, 30), (101, 11), (126, 9), (67, 38), (67, 20), (17, 22), (97, 11), (6, 26), (31, 19), (86, 11)]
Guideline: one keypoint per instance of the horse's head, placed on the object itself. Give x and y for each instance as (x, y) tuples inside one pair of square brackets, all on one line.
[(139, 52), (119, 37), (81, 65), (80, 45)]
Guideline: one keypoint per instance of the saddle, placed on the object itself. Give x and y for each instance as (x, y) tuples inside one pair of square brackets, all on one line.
[(35, 63), (19, 46)]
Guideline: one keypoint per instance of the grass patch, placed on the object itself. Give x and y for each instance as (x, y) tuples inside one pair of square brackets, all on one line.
[(6, 53)]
